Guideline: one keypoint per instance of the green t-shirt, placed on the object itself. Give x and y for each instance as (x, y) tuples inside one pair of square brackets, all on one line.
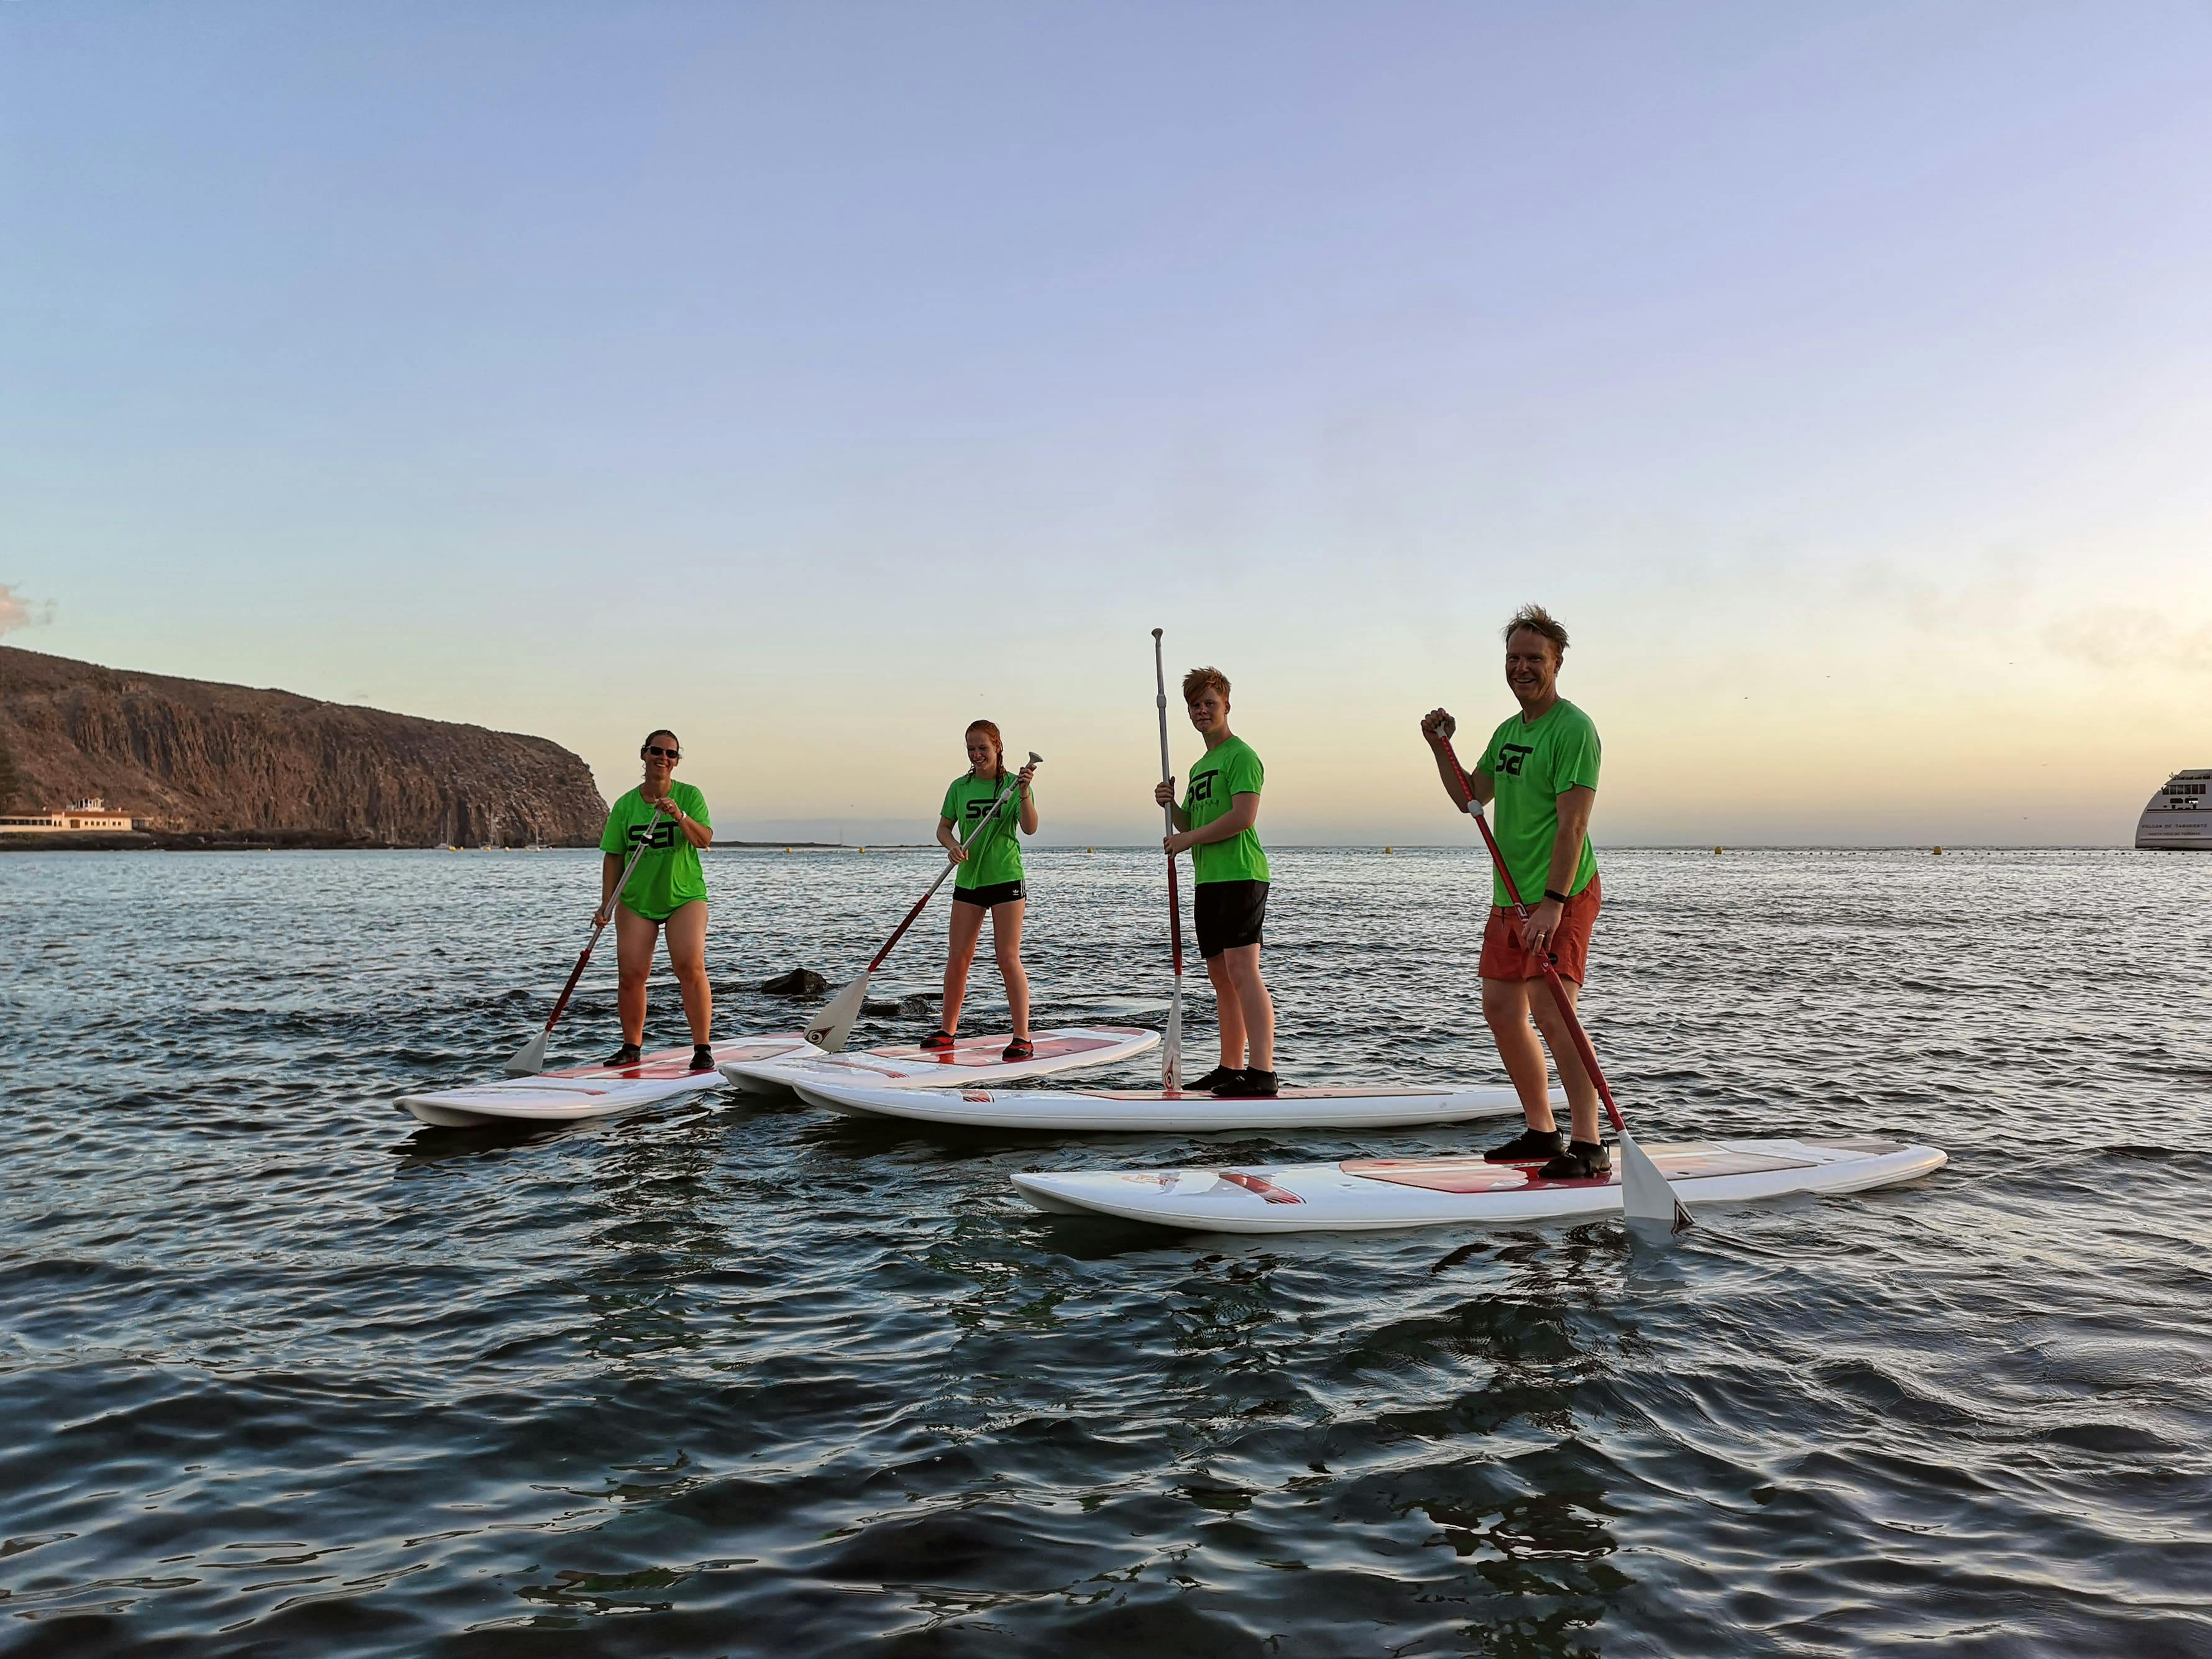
[(1220, 776), (993, 854), (1532, 766), (668, 876)]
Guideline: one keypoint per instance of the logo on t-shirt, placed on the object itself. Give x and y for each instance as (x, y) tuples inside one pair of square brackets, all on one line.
[(1512, 757), (1201, 786), (662, 834)]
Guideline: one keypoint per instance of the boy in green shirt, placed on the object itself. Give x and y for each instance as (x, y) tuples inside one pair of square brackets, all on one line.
[(1214, 824)]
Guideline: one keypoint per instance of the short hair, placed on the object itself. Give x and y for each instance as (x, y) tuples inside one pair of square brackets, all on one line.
[(1534, 619), (990, 730), (1203, 679)]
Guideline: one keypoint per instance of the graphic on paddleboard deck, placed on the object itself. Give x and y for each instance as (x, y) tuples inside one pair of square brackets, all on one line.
[(1363, 1194), (859, 1093), (579, 1093), (970, 1061)]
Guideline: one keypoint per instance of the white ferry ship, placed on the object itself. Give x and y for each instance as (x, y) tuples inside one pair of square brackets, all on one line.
[(2177, 819)]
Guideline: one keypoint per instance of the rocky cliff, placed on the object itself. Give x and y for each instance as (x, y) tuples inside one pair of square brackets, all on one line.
[(189, 754)]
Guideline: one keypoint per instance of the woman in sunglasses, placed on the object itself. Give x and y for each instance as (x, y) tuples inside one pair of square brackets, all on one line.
[(666, 892)]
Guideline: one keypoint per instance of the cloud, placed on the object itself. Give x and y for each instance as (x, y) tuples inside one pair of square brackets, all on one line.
[(2132, 636), (16, 611)]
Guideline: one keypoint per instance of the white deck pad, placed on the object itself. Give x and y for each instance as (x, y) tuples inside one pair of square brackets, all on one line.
[(971, 1063), (588, 1091), (1387, 1106), (1363, 1194)]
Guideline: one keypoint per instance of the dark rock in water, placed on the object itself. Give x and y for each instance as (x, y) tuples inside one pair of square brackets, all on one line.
[(798, 982), (902, 1008)]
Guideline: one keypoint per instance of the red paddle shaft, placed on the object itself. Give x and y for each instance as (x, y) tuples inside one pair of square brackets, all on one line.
[(1587, 1055)]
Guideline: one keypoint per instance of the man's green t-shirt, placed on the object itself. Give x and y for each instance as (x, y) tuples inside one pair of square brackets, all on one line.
[(1532, 766), (668, 876), (993, 854), (1220, 776)]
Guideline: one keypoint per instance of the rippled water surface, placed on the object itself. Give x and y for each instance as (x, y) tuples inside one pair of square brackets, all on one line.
[(284, 1372)]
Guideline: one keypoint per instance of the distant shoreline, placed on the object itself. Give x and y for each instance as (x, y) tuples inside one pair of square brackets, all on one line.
[(304, 840)]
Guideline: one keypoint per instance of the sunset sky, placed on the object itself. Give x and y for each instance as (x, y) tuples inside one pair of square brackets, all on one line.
[(810, 379)]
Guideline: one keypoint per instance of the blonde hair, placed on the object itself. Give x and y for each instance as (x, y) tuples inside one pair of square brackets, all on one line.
[(1534, 619)]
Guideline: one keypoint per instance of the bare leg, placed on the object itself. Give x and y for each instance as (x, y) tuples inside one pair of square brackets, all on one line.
[(1256, 1010), (686, 930), (1007, 945), (635, 938), (967, 928), (1582, 1093), (1228, 1012), (1506, 1009)]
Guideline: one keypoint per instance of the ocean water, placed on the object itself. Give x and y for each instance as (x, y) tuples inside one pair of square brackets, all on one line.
[(281, 1371)]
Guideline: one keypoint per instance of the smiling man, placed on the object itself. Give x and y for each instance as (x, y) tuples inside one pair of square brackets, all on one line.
[(1540, 766)]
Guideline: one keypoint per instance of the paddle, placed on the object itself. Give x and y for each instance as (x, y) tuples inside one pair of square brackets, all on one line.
[(530, 1059), (1648, 1201), (1171, 1045), (829, 1033)]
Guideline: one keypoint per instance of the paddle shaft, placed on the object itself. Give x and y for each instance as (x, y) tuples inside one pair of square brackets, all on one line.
[(599, 927), (1583, 1049), (1167, 775), (922, 903)]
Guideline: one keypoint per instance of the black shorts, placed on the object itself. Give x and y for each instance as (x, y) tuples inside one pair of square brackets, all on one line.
[(1230, 913), (998, 892)]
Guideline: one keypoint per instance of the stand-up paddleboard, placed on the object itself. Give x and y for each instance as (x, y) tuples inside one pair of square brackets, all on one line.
[(969, 1062), (1365, 1195), (1389, 1106), (588, 1091)]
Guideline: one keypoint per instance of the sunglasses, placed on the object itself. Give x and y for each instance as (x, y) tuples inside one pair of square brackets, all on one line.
[(659, 753)]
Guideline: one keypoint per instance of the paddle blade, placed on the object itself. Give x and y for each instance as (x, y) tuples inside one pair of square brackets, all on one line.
[(835, 1024), (1172, 1044), (529, 1059), (1647, 1198)]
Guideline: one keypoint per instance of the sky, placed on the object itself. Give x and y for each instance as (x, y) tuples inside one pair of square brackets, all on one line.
[(814, 380)]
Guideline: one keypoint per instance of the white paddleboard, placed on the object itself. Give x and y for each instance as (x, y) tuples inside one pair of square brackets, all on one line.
[(1364, 1194), (1389, 1106), (971, 1061), (588, 1091)]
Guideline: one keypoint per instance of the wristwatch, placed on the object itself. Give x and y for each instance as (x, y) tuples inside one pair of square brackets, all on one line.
[(1556, 898)]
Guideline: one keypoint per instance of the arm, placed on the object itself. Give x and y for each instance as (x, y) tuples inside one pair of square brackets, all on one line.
[(610, 868), (1163, 795), (1244, 812), (701, 835), (1575, 806), (1437, 726), (953, 850), (1029, 803)]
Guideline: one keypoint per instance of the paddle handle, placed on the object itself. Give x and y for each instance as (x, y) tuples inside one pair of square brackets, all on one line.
[(920, 904), (561, 1004), (1167, 809), (1583, 1049)]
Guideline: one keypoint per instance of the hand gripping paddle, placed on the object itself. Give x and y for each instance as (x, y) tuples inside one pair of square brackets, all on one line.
[(530, 1059), (829, 1032), (1648, 1201)]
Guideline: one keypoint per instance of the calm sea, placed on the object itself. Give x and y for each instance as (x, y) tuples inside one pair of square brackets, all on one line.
[(282, 1372)]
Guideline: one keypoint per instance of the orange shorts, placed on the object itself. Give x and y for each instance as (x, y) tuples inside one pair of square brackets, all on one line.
[(1504, 956)]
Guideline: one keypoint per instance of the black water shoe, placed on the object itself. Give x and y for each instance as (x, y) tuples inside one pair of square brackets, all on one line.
[(937, 1040), (1019, 1048), (1211, 1082), (627, 1055), (702, 1056), (1529, 1146), (1250, 1084), (1583, 1160)]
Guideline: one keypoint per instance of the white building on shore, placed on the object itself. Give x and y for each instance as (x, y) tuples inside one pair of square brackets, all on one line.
[(80, 817)]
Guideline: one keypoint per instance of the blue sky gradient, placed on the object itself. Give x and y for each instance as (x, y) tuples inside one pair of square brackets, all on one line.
[(813, 378)]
